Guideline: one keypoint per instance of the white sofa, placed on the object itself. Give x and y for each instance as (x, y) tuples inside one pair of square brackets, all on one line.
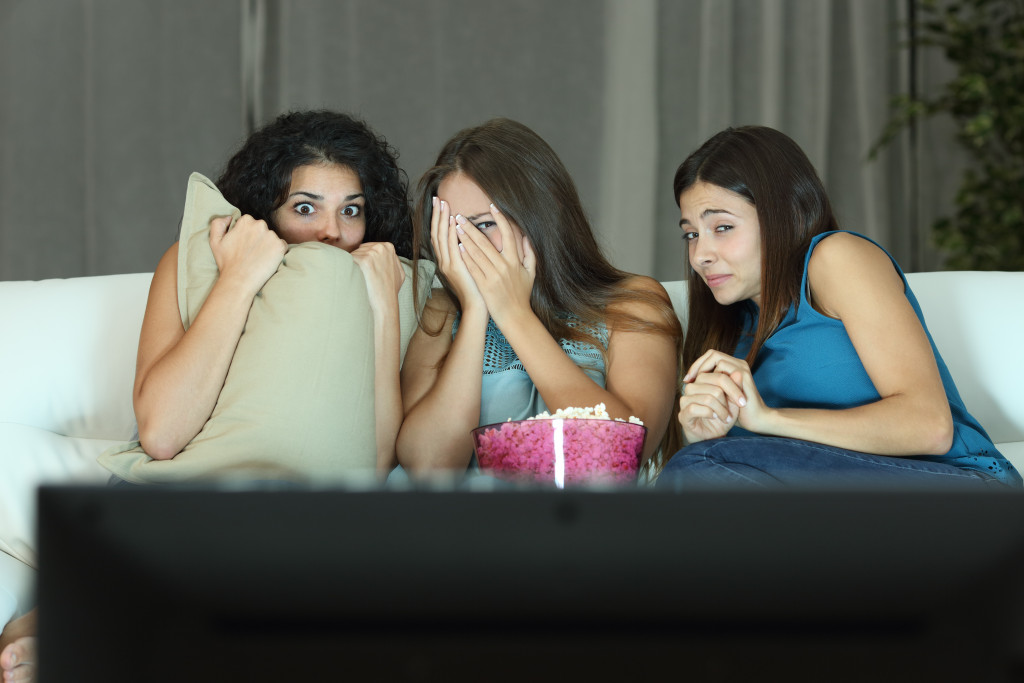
[(67, 363)]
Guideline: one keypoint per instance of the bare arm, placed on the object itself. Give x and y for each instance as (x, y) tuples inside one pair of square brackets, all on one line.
[(441, 384), (442, 377), (384, 276), (639, 378), (179, 373), (852, 280)]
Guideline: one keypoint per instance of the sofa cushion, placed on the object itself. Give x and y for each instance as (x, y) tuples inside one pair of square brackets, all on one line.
[(298, 400), (29, 457)]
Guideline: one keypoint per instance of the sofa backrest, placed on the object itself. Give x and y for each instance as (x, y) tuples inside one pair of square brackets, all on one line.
[(67, 353), (67, 348), (977, 322)]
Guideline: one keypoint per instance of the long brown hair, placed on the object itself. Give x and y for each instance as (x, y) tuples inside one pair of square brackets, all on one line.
[(770, 171), (528, 183)]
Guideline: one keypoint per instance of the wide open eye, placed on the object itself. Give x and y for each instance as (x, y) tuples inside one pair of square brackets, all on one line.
[(304, 208), (352, 210)]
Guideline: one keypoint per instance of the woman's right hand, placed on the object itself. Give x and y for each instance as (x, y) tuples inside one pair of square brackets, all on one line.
[(248, 252), (445, 241), (712, 398)]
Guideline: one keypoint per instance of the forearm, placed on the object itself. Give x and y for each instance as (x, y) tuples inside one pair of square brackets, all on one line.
[(896, 426), (387, 389), (436, 432), (180, 390), (559, 380)]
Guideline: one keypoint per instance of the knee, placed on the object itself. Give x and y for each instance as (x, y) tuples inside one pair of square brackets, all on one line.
[(688, 459)]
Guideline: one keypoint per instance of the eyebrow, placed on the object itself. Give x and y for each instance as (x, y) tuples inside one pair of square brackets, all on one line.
[(704, 214), (475, 217), (320, 197)]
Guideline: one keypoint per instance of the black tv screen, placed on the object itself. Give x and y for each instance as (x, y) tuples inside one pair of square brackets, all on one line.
[(199, 584)]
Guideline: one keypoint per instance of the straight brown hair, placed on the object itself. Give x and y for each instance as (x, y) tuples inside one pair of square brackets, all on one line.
[(528, 183), (769, 170)]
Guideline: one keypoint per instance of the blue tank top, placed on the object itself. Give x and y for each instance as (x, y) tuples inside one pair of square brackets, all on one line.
[(508, 393), (819, 343)]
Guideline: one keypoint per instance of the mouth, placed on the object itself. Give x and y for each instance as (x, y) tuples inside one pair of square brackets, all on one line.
[(716, 280)]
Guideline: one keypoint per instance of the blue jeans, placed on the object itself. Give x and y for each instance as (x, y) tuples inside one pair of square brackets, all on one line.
[(767, 461)]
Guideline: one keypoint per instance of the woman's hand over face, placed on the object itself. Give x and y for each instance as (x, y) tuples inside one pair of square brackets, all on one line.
[(445, 241), (248, 252), (719, 391), (382, 271), (505, 278)]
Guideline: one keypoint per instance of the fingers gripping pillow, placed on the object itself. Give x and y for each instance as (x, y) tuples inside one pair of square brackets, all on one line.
[(298, 400)]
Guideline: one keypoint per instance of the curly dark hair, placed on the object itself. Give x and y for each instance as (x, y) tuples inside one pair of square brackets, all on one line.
[(258, 176)]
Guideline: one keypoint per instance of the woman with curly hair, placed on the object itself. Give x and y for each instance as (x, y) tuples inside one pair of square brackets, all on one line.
[(315, 176), (532, 315)]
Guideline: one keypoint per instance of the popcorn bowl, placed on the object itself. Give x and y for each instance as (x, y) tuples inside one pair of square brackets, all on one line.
[(561, 451)]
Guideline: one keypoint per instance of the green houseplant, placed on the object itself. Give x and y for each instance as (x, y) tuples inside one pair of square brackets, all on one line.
[(984, 41)]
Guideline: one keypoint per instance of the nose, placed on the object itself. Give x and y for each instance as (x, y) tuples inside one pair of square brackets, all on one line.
[(702, 252), (329, 231)]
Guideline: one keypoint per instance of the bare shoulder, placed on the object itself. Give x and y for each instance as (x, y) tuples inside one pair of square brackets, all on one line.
[(428, 348), (844, 267), (433, 336), (641, 296), (438, 311), (643, 283), (161, 324), (165, 278)]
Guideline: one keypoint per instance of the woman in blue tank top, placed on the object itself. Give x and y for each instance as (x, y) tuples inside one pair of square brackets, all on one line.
[(531, 316), (807, 358)]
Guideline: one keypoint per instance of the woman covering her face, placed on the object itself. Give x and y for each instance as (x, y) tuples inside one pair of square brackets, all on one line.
[(806, 356), (531, 316)]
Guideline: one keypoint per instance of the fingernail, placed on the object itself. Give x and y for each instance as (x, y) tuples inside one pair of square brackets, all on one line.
[(743, 401), (462, 247), (433, 200), (459, 218), (494, 208), (728, 419), (460, 230), (715, 415)]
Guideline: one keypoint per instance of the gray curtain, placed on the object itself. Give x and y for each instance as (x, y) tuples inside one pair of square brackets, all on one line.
[(109, 104)]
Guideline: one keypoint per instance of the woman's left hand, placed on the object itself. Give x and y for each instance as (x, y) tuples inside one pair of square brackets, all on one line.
[(382, 271), (504, 278), (739, 390)]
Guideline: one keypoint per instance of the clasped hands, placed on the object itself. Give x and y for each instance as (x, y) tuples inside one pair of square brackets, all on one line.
[(718, 392), (500, 281)]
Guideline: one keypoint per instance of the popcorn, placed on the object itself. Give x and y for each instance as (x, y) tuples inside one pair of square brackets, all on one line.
[(598, 412), (575, 445)]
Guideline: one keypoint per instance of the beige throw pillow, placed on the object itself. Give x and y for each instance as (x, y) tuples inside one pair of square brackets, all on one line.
[(298, 399)]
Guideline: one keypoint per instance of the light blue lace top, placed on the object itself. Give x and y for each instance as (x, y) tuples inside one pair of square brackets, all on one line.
[(508, 392)]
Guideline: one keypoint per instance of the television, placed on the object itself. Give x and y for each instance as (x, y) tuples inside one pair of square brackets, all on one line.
[(206, 584)]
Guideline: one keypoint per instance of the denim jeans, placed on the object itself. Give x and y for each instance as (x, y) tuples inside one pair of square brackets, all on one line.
[(766, 461)]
